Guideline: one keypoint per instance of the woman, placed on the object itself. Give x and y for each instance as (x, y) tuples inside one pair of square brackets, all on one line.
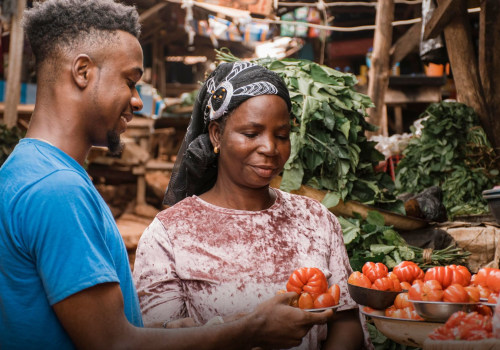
[(229, 240)]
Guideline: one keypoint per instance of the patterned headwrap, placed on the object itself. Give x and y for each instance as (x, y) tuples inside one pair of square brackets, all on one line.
[(229, 85)]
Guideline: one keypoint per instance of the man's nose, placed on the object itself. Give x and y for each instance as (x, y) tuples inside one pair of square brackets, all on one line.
[(136, 102)]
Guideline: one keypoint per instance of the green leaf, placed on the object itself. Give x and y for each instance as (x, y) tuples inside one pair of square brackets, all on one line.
[(381, 248), (331, 199)]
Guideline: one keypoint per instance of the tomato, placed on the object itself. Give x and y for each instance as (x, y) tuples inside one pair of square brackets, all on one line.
[(427, 291), (406, 313), (402, 301), (484, 292), (374, 271), (455, 293), (307, 279), (493, 280), (334, 290), (369, 310), (358, 279), (306, 301), (448, 275), (493, 298), (389, 311), (473, 293), (324, 300), (484, 310), (408, 271), (482, 275), (405, 286), (386, 283)]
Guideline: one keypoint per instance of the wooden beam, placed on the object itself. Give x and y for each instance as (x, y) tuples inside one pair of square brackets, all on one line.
[(380, 69), (442, 15), (489, 65), (408, 42), (151, 11), (13, 86), (463, 63)]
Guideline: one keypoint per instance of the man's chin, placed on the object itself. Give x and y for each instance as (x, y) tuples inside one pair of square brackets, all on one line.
[(115, 146)]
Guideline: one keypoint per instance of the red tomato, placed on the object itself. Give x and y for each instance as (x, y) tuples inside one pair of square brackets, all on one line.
[(358, 279), (493, 280), (406, 313), (408, 271), (484, 292), (405, 286), (493, 298), (369, 310), (306, 301), (307, 279), (324, 300), (484, 310), (374, 270), (448, 275), (385, 283), (481, 276), (402, 301), (334, 290), (389, 311), (455, 293), (427, 291), (473, 293)]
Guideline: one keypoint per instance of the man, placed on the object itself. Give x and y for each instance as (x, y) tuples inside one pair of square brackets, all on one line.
[(64, 274)]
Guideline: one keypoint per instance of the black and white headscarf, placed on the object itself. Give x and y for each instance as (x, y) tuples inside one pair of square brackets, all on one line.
[(229, 85)]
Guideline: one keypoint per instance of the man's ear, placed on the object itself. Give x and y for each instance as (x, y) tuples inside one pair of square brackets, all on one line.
[(214, 132), (81, 70)]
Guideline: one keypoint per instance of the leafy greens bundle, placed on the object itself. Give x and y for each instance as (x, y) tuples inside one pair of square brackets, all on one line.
[(453, 153), (329, 150)]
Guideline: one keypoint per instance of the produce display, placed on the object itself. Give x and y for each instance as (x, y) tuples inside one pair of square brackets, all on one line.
[(370, 240), (312, 287), (452, 153), (329, 148)]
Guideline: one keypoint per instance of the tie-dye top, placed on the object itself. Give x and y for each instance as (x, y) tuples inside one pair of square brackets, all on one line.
[(199, 260)]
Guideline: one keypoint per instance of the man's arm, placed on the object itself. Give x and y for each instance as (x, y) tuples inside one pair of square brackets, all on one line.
[(345, 331), (94, 319)]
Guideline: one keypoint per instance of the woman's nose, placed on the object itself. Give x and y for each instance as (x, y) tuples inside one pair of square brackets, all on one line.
[(136, 102), (268, 146)]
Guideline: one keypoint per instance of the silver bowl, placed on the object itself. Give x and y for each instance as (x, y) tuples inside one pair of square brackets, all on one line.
[(376, 299), (440, 311)]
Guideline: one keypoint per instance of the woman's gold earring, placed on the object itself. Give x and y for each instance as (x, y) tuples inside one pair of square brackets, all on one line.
[(216, 149)]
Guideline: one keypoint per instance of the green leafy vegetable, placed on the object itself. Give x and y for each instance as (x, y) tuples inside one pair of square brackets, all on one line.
[(453, 153)]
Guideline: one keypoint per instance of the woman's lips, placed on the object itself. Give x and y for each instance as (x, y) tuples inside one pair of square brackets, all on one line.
[(264, 171)]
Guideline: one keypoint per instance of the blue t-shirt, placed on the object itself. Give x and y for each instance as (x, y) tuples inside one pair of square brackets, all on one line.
[(57, 237)]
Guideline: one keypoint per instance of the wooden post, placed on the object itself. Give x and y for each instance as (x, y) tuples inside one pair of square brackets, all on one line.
[(13, 86), (489, 65), (463, 63), (379, 70)]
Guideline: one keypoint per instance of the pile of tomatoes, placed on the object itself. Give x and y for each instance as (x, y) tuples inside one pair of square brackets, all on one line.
[(464, 326), (377, 276), (455, 284), (311, 285), (402, 308)]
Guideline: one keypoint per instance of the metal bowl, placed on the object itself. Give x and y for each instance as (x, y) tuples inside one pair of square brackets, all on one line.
[(402, 331), (440, 311), (376, 299)]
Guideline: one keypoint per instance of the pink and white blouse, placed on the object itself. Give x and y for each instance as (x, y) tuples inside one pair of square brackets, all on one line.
[(199, 260)]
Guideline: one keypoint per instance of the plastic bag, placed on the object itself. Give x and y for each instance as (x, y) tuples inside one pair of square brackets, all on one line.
[(432, 50)]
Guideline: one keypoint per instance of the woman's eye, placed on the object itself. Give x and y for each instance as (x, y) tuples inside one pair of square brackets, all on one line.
[(249, 135)]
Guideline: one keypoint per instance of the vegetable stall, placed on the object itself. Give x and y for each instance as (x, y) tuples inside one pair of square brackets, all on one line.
[(444, 170)]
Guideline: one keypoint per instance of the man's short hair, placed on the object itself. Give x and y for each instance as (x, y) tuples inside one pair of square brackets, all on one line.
[(63, 24)]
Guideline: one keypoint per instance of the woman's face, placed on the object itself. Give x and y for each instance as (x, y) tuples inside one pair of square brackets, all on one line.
[(255, 143)]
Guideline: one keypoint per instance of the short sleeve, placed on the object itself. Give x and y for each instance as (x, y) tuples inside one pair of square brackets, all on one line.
[(159, 288), (62, 230)]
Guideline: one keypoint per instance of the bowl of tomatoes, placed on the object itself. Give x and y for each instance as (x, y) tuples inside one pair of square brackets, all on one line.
[(313, 291), (374, 286), (440, 311)]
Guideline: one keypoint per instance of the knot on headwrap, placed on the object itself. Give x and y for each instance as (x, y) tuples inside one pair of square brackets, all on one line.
[(229, 85)]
